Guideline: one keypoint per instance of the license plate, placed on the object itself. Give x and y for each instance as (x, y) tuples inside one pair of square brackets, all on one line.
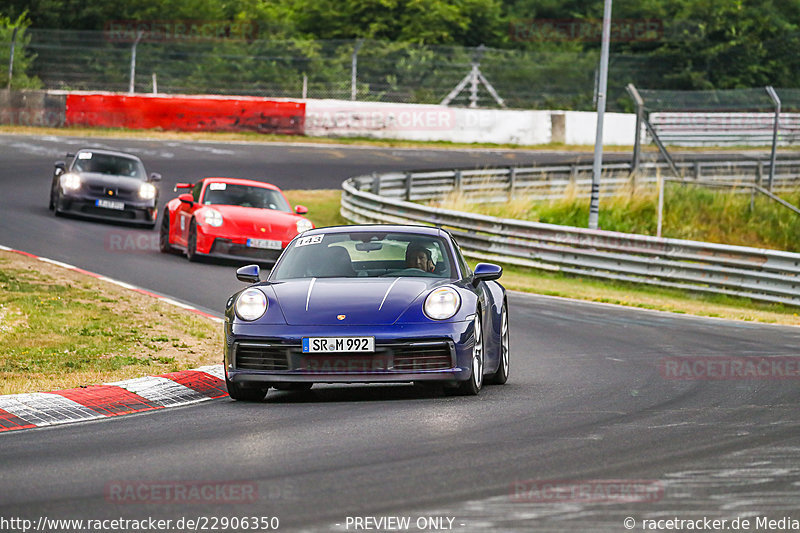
[(338, 344), (110, 204), (264, 243)]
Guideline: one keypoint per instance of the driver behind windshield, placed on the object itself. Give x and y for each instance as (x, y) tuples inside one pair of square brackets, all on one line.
[(417, 256)]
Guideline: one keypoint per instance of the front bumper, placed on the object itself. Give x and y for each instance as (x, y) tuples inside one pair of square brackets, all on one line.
[(412, 352), (229, 249), (136, 211)]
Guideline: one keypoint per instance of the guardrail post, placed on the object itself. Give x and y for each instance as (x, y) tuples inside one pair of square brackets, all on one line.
[(777, 101), (697, 170), (457, 180), (409, 185), (512, 182), (759, 172), (376, 184)]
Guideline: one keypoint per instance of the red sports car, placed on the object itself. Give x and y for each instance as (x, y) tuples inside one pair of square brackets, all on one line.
[(230, 218)]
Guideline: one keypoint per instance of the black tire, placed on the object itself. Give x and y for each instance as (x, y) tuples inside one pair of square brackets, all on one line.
[(52, 204), (501, 375), (191, 243), (56, 202), (163, 235), (244, 394), (296, 386), (473, 385)]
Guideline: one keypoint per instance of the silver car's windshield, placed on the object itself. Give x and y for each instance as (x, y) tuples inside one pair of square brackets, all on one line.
[(112, 165), (362, 254)]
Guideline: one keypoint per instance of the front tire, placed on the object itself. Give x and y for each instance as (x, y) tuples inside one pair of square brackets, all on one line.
[(501, 375), (244, 394), (473, 385), (163, 235), (56, 203), (191, 243)]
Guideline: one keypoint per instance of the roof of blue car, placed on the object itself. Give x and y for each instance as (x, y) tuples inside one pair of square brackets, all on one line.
[(388, 228)]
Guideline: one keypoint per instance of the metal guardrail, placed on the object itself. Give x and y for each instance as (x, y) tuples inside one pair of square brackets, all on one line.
[(766, 275), (554, 181)]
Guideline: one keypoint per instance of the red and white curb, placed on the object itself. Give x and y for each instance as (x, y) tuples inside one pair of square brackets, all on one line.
[(30, 410)]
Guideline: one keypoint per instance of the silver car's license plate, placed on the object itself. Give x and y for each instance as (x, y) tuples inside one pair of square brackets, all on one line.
[(264, 243), (110, 204), (338, 344)]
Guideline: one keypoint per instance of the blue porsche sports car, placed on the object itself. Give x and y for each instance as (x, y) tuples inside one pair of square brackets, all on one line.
[(367, 304)]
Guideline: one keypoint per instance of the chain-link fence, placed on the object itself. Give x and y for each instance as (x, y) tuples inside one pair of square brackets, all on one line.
[(385, 71)]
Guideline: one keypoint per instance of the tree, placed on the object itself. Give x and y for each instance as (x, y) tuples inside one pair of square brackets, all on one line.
[(22, 59)]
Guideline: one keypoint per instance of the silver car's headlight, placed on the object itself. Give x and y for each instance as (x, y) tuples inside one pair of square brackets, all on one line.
[(442, 303), (251, 305), (70, 182), (213, 218), (147, 191), (304, 225)]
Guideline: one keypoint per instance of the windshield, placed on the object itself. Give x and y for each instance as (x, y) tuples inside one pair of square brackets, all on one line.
[(112, 165), (362, 254), (244, 196)]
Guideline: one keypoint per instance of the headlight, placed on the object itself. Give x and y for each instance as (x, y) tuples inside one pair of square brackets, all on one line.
[(304, 225), (70, 182), (147, 191), (251, 305), (442, 303), (213, 218)]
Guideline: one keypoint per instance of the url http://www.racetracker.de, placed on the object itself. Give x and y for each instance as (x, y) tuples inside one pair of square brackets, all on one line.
[(45, 524)]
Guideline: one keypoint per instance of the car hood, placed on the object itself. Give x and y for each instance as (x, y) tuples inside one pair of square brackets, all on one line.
[(109, 180), (256, 222), (362, 301)]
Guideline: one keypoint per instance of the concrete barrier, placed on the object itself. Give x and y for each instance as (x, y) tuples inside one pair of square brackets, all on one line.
[(32, 108), (317, 118), (184, 113), (378, 120)]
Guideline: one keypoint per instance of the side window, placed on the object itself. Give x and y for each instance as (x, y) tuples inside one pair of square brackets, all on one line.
[(198, 187), (462, 263)]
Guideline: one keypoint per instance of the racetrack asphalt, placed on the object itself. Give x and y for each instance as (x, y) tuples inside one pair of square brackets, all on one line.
[(589, 400)]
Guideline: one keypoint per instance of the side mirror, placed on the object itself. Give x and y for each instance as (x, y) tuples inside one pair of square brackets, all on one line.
[(61, 167), (182, 186), (155, 176), (249, 274), (486, 272), (186, 198), (300, 209)]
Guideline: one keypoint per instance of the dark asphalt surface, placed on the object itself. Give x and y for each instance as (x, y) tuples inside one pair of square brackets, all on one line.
[(586, 399)]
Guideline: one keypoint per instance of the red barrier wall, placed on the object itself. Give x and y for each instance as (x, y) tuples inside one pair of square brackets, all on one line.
[(185, 113)]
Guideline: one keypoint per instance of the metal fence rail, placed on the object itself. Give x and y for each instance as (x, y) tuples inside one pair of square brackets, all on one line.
[(552, 182), (766, 275)]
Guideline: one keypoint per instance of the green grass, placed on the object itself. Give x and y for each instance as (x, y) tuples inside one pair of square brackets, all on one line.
[(324, 211), (690, 212), (323, 206), (60, 333)]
